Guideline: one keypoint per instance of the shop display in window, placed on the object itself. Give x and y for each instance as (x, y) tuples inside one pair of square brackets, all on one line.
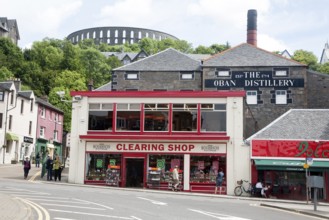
[(154, 177), (112, 175)]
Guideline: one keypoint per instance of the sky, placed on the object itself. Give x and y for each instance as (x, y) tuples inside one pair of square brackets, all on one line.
[(281, 24)]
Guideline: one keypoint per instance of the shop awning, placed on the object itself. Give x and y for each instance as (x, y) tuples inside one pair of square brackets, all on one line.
[(11, 137), (50, 146), (289, 165)]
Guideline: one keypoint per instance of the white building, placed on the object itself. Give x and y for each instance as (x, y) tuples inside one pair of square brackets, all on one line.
[(115, 135)]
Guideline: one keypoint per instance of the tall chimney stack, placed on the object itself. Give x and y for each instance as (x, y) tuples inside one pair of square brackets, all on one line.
[(252, 27)]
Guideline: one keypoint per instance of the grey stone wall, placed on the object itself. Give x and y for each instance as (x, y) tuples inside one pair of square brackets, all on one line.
[(318, 90), (260, 115), (150, 81)]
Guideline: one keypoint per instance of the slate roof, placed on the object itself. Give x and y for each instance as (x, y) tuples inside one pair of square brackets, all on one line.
[(106, 87), (47, 104), (25, 94), (297, 124), (6, 85), (167, 60), (248, 55), (199, 56)]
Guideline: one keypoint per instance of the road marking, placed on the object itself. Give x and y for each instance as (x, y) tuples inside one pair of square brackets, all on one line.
[(153, 201), (93, 214), (218, 215), (34, 176), (51, 200), (107, 207), (72, 206), (38, 209), (64, 218)]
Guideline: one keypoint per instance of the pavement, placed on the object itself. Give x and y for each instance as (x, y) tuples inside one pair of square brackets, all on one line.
[(11, 208)]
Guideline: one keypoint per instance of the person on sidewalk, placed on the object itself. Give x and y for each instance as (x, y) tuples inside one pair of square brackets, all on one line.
[(57, 168), (49, 167), (37, 160), (175, 177), (27, 167), (219, 181)]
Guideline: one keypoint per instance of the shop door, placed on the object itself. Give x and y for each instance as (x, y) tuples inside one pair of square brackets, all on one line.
[(135, 172)]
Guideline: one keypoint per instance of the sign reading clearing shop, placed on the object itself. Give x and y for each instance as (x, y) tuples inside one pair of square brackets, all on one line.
[(157, 147)]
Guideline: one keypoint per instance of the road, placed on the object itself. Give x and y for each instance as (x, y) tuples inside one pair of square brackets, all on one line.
[(69, 202)]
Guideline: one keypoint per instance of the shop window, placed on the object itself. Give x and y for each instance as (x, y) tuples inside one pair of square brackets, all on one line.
[(128, 117), (97, 165), (204, 169), (166, 164), (184, 117), (251, 97), (100, 116), (156, 117), (280, 97), (213, 117)]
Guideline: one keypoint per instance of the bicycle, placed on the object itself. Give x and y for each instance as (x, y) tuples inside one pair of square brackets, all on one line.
[(243, 186)]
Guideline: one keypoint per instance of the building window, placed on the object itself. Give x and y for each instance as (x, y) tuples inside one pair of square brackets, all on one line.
[(184, 116), (55, 135), (31, 107), (43, 112), (222, 72), (156, 117), (2, 95), (22, 106), (186, 75), (10, 122), (42, 132), (251, 97), (131, 76), (280, 97), (281, 72), (128, 117), (30, 128), (213, 117), (100, 116), (1, 119), (12, 98)]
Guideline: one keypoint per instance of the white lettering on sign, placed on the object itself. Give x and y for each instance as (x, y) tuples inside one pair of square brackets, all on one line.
[(157, 147)]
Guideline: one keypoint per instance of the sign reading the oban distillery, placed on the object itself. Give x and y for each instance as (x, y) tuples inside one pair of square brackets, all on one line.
[(156, 147), (253, 79)]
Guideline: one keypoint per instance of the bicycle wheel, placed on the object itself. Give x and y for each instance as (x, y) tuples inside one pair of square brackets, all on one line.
[(238, 191)]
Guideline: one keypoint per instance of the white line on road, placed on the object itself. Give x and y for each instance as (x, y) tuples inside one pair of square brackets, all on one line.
[(72, 206), (92, 214), (64, 218), (38, 209), (218, 215), (153, 201), (51, 200), (107, 207)]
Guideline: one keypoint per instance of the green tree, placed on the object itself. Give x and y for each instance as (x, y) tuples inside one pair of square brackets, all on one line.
[(203, 50), (324, 68), (113, 62), (5, 74), (306, 57), (149, 45), (70, 59), (11, 56)]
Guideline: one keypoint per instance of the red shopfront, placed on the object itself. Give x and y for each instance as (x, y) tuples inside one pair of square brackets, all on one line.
[(148, 164), (280, 165)]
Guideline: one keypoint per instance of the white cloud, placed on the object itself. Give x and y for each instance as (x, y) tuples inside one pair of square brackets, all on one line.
[(271, 44)]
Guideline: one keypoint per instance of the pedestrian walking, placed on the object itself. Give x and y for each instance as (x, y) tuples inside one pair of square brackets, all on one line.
[(57, 168), (27, 167), (219, 181), (37, 160), (175, 176), (49, 167)]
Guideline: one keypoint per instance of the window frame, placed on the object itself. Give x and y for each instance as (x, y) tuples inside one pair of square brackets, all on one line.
[(220, 70), (250, 97), (129, 74), (281, 99), (190, 74), (278, 72)]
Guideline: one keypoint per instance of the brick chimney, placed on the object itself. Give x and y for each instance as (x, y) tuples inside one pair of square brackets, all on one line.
[(252, 27)]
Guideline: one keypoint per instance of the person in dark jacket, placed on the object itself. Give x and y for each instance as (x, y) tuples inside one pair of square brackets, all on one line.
[(37, 160), (49, 167), (27, 167)]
